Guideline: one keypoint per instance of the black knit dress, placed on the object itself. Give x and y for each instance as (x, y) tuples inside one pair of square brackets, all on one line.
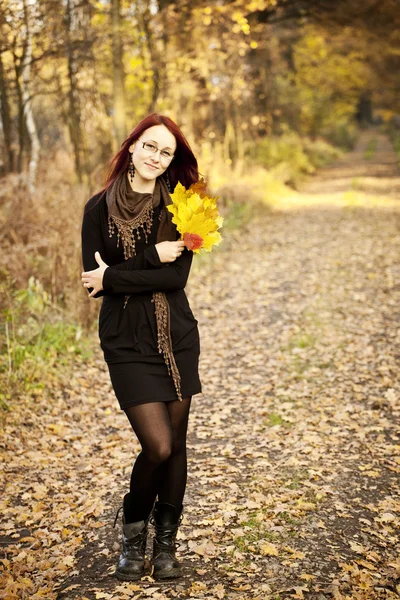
[(128, 330)]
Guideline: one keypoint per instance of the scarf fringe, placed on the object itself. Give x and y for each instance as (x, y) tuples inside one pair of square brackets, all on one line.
[(164, 338), (126, 229)]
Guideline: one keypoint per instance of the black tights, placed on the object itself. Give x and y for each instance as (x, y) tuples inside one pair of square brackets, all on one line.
[(161, 466)]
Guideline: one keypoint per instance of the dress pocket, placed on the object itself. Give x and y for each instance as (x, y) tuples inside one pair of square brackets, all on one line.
[(105, 319), (188, 339), (184, 331), (145, 339)]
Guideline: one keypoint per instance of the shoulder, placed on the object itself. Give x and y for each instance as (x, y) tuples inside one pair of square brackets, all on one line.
[(95, 205)]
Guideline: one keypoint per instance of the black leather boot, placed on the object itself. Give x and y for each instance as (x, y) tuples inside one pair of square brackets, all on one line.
[(131, 562), (166, 520)]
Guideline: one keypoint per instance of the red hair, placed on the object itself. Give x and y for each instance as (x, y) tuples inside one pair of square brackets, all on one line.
[(182, 168)]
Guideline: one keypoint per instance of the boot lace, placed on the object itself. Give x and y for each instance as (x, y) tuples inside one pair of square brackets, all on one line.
[(138, 542), (164, 534), (153, 522), (116, 516), (139, 539)]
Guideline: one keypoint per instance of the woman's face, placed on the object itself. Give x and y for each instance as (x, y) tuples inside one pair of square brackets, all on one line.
[(149, 164)]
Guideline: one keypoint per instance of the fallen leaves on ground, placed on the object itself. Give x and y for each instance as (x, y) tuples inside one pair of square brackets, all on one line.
[(294, 455)]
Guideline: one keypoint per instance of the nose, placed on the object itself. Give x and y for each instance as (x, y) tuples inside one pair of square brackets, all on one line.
[(156, 156)]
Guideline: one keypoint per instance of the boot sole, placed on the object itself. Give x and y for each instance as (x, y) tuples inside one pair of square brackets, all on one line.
[(167, 574), (126, 577)]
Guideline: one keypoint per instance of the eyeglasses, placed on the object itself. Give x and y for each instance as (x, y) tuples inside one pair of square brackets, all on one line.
[(165, 154)]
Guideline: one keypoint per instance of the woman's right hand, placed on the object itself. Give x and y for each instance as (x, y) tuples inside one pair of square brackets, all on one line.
[(169, 251)]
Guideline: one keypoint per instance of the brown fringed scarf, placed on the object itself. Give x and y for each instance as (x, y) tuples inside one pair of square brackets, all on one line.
[(128, 215)]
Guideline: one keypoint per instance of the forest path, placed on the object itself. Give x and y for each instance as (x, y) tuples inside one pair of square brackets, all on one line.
[(293, 449), (371, 167)]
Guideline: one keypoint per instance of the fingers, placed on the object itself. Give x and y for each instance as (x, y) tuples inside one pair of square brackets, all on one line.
[(87, 284), (180, 247)]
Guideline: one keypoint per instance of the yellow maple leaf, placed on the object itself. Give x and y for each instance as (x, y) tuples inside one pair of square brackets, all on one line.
[(307, 576), (196, 216), (268, 549)]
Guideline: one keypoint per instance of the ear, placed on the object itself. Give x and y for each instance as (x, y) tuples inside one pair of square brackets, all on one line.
[(132, 147)]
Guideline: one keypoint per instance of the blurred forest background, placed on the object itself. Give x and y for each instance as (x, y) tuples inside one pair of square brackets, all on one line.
[(266, 91)]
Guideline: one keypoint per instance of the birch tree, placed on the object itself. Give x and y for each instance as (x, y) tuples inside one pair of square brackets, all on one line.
[(119, 113), (27, 100)]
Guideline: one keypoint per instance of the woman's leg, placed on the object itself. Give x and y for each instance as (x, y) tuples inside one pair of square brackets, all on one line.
[(172, 474), (152, 426)]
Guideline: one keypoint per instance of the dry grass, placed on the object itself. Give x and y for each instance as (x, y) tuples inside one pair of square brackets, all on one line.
[(41, 235)]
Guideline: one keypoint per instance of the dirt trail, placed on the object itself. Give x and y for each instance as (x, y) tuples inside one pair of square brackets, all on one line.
[(293, 452), (371, 167)]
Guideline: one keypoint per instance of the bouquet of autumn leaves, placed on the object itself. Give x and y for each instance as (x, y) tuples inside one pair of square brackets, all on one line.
[(196, 216)]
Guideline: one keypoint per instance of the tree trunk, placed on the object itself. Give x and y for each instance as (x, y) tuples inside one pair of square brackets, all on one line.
[(229, 135), (74, 119), (364, 110), (6, 121), (30, 121), (154, 57), (21, 118), (239, 140), (118, 74), (163, 85)]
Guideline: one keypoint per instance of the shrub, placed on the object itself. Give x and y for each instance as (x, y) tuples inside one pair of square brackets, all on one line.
[(290, 156), (36, 338)]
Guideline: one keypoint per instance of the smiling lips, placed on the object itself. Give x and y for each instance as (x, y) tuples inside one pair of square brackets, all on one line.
[(150, 166)]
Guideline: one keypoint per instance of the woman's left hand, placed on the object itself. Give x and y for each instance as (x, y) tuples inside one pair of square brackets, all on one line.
[(94, 279)]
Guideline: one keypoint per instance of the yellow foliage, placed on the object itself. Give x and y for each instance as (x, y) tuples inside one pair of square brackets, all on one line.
[(195, 214)]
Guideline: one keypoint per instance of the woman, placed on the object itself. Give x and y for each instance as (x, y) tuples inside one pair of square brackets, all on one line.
[(133, 258)]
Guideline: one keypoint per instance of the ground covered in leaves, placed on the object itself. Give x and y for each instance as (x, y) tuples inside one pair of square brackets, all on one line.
[(294, 455)]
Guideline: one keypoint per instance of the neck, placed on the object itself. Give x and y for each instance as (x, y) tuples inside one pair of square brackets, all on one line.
[(138, 184)]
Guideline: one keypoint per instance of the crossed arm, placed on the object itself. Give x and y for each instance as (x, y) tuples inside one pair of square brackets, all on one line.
[(141, 273)]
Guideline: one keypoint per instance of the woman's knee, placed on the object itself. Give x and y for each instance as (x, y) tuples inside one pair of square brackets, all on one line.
[(159, 453)]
